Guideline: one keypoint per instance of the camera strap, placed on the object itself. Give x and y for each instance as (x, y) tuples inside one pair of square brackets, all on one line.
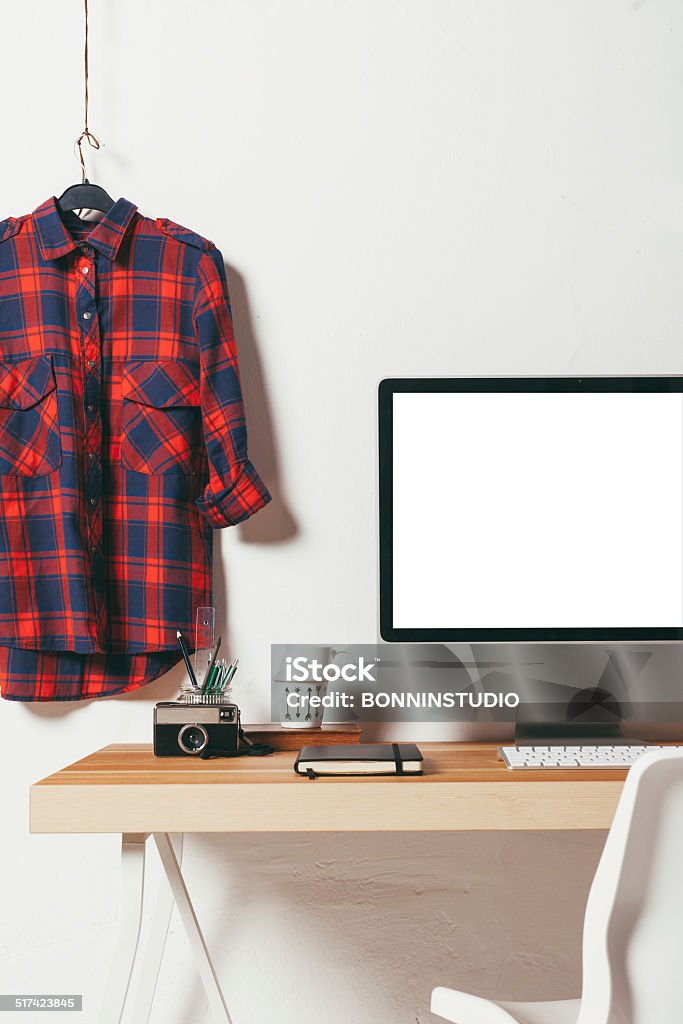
[(251, 749)]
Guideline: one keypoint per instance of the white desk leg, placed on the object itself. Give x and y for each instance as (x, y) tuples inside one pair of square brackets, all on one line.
[(132, 887), (205, 967), (154, 952)]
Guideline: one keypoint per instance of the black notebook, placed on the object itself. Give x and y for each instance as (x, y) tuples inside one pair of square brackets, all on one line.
[(360, 759)]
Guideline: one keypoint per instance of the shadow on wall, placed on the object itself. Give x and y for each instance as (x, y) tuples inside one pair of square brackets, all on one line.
[(274, 524)]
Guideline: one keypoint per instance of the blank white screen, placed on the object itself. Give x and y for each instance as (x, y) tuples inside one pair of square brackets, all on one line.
[(546, 510)]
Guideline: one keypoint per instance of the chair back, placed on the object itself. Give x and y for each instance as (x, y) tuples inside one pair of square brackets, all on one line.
[(633, 929)]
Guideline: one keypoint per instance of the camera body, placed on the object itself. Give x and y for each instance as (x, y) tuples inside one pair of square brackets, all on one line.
[(184, 729)]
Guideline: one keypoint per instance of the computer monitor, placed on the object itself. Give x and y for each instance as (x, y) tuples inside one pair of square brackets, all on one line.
[(531, 509)]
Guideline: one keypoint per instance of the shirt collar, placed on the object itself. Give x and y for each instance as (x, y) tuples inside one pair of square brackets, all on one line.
[(106, 236)]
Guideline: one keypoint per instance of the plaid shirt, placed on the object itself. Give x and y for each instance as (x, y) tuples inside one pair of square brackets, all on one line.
[(122, 444)]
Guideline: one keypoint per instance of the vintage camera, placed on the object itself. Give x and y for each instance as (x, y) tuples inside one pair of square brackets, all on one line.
[(184, 729)]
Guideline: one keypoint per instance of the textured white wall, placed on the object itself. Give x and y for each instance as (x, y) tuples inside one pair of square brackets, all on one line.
[(399, 187)]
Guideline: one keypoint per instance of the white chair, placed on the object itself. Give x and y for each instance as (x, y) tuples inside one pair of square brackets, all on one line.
[(633, 928)]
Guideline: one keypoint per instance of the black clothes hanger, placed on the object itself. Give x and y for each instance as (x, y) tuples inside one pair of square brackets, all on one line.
[(85, 196)]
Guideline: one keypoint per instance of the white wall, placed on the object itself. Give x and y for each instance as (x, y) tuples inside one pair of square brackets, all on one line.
[(400, 187)]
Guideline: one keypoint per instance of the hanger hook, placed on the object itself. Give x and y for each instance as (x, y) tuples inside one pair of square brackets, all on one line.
[(92, 140)]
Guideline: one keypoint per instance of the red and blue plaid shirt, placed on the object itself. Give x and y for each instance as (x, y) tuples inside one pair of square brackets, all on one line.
[(122, 444)]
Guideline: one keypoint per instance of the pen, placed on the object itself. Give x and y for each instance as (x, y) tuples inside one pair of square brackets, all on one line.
[(208, 675), (216, 685), (225, 678), (207, 681), (212, 671), (212, 659), (232, 671), (186, 656)]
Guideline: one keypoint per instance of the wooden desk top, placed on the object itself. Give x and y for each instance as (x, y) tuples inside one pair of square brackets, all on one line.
[(124, 788)]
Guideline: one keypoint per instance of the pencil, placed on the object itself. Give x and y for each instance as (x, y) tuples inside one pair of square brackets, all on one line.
[(186, 657)]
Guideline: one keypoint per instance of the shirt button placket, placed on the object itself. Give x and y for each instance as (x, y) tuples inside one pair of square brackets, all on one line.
[(92, 397)]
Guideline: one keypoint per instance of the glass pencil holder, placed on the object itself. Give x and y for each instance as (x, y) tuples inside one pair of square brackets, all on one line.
[(189, 696)]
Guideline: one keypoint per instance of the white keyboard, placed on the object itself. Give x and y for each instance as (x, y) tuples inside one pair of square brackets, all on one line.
[(583, 756)]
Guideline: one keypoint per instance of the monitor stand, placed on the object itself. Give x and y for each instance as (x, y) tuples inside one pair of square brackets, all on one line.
[(574, 734), (591, 716)]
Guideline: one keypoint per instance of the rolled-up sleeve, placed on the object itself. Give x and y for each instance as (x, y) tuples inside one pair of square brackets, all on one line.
[(234, 490)]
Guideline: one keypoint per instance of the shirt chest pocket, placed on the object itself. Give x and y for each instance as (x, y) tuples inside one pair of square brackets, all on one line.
[(30, 443), (161, 428)]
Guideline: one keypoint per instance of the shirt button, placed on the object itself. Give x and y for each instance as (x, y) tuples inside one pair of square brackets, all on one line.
[(91, 407), (93, 548), (91, 362), (85, 270), (85, 249), (91, 455), (93, 501), (87, 316)]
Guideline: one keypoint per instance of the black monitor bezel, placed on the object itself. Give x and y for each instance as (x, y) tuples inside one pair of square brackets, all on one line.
[(395, 385)]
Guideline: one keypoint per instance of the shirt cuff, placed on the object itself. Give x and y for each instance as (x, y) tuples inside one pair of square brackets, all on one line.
[(243, 496)]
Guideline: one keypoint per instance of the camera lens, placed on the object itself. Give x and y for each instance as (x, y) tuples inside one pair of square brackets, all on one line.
[(192, 738)]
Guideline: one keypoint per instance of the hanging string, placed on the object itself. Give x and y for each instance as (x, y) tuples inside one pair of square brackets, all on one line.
[(86, 135)]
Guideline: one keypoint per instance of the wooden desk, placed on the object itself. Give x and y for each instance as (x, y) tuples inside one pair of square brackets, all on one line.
[(125, 789)]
